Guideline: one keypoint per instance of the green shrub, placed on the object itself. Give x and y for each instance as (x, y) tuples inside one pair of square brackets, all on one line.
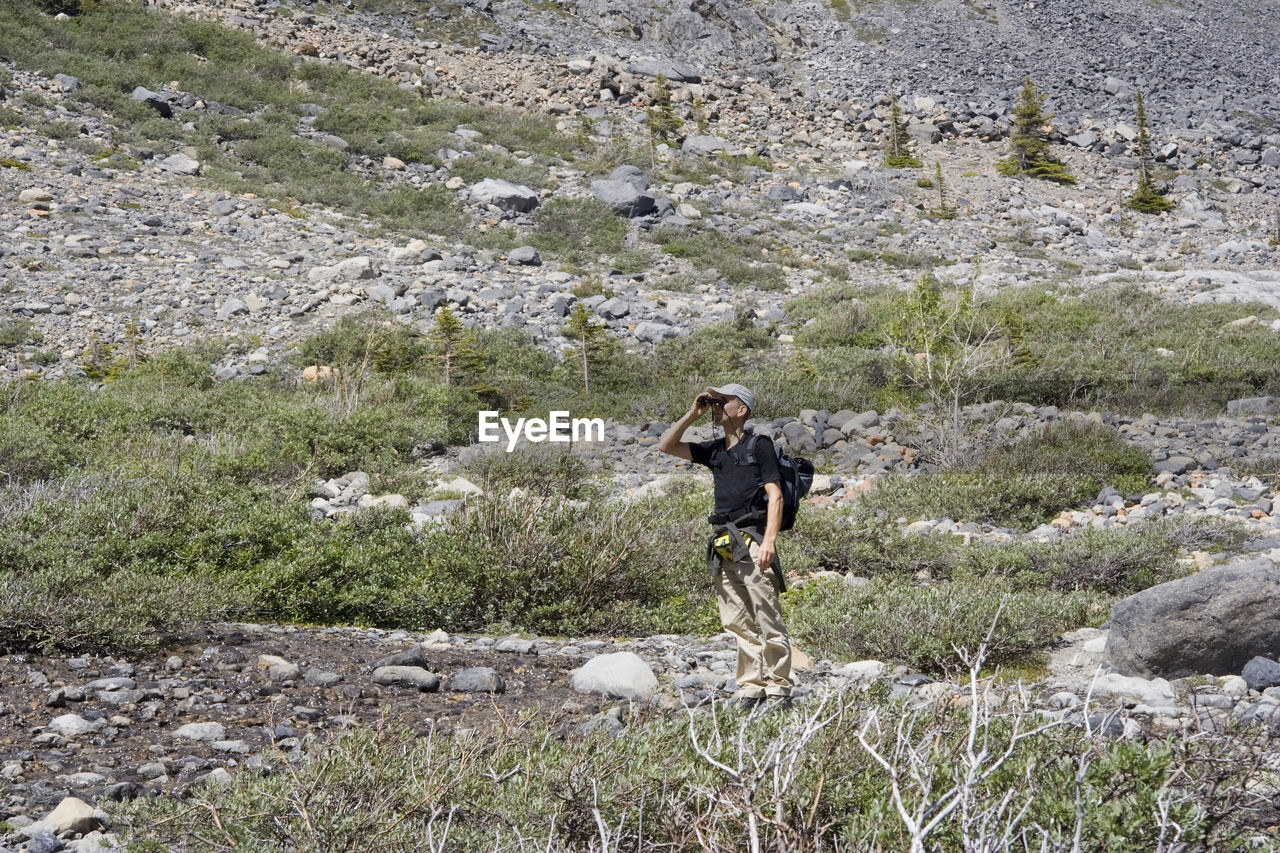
[(1023, 484), (737, 259), (541, 469), (1100, 350), (1118, 561), (924, 626), (15, 333), (578, 230), (370, 339), (699, 783)]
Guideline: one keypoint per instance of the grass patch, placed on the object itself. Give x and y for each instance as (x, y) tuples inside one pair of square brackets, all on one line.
[(1095, 350), (739, 260), (1047, 588), (1023, 484), (923, 626), (15, 333), (578, 231)]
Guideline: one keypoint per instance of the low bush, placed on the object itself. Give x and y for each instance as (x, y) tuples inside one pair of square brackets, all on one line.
[(578, 231), (1118, 561), (929, 628), (1022, 484), (808, 780), (738, 259), (15, 333)]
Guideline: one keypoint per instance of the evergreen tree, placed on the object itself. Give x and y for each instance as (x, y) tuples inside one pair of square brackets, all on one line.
[(1146, 198), (1029, 140), (898, 145), (452, 346), (591, 341)]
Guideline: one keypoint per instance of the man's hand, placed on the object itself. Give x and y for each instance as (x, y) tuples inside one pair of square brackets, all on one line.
[(764, 559), (670, 441), (700, 408), (773, 521)]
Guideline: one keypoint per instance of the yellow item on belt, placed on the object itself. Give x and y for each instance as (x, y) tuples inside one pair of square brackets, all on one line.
[(724, 547)]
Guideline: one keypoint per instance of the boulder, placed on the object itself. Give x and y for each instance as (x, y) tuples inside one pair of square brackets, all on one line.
[(151, 99), (1154, 693), (524, 256), (1251, 405), (504, 195), (72, 815), (1261, 673), (633, 175), (357, 268), (1214, 621), (651, 333), (180, 164), (703, 145), (623, 197), (613, 309), (201, 731), (407, 676), (676, 72), (477, 679), (72, 725), (621, 675)]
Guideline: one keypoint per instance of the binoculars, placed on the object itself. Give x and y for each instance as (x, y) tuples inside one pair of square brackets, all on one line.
[(708, 400)]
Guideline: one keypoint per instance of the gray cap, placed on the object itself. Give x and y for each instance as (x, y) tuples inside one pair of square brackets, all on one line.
[(733, 389)]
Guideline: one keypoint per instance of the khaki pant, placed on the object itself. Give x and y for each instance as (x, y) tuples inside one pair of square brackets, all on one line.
[(750, 610)]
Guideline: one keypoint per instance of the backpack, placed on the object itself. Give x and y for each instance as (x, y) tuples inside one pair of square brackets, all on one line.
[(796, 474)]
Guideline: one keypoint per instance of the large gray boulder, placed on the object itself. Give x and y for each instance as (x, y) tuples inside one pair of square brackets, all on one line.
[(621, 675), (1214, 621), (623, 197), (633, 175), (703, 145), (504, 195)]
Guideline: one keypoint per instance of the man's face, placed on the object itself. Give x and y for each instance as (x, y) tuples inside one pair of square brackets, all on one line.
[(732, 408)]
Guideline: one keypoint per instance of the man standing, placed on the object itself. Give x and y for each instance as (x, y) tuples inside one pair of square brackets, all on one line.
[(741, 553)]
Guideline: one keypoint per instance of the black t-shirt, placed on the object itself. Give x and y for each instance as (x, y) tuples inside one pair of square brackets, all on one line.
[(739, 484)]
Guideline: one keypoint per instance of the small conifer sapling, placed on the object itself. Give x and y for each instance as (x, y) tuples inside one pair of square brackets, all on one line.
[(898, 144), (590, 340), (1029, 140), (1146, 198)]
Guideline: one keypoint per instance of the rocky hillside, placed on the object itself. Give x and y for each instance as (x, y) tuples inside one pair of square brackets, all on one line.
[(95, 250)]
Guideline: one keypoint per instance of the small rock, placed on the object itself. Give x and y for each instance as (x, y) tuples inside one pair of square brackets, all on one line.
[(407, 676), (477, 679), (201, 731)]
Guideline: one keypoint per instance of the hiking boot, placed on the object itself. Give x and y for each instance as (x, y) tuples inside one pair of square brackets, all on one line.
[(774, 704), (746, 703)]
